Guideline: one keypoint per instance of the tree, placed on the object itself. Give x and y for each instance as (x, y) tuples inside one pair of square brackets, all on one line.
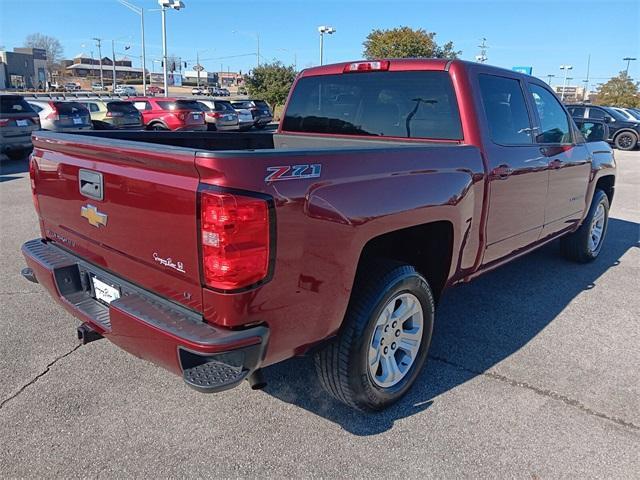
[(51, 45), (620, 91), (271, 82), (405, 42)]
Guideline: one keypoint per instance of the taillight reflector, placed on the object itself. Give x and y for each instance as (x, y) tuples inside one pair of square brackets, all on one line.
[(378, 65), (33, 168), (235, 240)]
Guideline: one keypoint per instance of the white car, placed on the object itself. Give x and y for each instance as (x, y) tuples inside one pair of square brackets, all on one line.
[(125, 90)]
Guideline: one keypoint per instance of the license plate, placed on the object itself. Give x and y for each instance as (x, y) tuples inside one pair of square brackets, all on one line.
[(77, 121), (196, 116), (22, 123), (103, 292)]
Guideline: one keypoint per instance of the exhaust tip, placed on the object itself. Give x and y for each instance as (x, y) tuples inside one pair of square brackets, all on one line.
[(256, 380), (86, 334), (28, 274)]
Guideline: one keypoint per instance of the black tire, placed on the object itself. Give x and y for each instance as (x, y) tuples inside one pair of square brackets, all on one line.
[(576, 246), (626, 141), (157, 127), (342, 364), (260, 126)]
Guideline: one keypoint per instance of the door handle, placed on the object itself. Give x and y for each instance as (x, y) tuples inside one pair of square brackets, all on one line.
[(502, 171), (556, 163)]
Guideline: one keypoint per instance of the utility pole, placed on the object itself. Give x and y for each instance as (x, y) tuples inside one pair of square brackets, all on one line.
[(198, 66), (628, 60), (98, 43), (549, 77), (482, 58), (163, 9), (586, 80), (113, 62)]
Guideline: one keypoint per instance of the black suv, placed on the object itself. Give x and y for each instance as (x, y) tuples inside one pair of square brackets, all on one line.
[(623, 133)]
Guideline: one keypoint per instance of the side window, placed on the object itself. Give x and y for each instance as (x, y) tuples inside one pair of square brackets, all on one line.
[(506, 110), (142, 105), (576, 112), (554, 122), (93, 107), (596, 113)]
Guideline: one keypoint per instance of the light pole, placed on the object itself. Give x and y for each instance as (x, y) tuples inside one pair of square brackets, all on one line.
[(566, 69), (113, 54), (98, 43), (139, 11), (257, 37), (549, 77), (164, 4), (322, 29), (628, 60)]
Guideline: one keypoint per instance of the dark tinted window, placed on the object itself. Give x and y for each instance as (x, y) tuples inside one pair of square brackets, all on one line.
[(576, 111), (596, 113), (14, 104), (261, 104), (398, 104), (122, 107), (554, 122), (223, 106), (71, 108), (616, 114), (180, 105), (243, 104), (506, 110), (204, 107)]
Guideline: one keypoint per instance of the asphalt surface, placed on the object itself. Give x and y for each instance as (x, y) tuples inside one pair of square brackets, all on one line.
[(534, 372)]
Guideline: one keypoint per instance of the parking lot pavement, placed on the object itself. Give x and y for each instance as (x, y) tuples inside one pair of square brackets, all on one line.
[(534, 372)]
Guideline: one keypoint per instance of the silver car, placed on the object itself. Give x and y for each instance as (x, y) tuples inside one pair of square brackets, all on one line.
[(219, 115), (62, 116), (17, 121)]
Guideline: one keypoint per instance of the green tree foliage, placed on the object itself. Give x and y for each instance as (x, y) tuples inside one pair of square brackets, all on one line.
[(52, 46), (620, 91), (405, 42), (271, 82)]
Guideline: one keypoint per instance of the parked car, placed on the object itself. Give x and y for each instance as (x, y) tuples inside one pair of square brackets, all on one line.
[(113, 114), (125, 90), (197, 91), (17, 120), (245, 118), (154, 90), (635, 112), (223, 92), (62, 116), (215, 255), (97, 87), (259, 109), (71, 87), (219, 115), (623, 133), (166, 113)]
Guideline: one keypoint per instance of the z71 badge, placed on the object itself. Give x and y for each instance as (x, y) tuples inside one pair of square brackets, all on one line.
[(295, 172)]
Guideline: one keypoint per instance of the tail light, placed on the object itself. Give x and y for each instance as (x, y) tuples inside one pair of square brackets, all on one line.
[(378, 65), (36, 120), (54, 115), (213, 114), (33, 170), (235, 240), (4, 122)]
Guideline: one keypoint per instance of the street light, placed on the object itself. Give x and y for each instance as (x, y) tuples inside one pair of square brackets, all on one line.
[(99, 45), (322, 29), (257, 37), (113, 63), (139, 11), (164, 4), (199, 67), (628, 60), (549, 77), (566, 69)]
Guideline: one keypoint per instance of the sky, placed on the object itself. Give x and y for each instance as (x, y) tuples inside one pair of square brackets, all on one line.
[(542, 34)]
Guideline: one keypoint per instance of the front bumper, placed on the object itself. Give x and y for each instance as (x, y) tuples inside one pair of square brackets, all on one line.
[(153, 328)]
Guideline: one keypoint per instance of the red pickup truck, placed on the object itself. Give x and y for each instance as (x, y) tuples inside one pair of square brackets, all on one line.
[(217, 254)]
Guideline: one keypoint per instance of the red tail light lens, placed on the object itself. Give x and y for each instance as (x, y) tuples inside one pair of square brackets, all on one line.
[(4, 122), (235, 240), (33, 170), (54, 115)]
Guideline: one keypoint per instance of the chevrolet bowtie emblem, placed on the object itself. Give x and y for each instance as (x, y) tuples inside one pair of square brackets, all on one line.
[(94, 217)]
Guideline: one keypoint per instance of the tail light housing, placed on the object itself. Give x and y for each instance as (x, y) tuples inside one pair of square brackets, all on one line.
[(235, 240), (4, 122), (33, 170), (54, 115), (213, 114), (372, 66)]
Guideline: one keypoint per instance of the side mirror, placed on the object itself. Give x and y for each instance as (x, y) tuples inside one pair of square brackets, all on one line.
[(594, 130), (609, 119)]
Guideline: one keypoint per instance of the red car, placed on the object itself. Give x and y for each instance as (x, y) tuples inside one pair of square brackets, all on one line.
[(166, 113), (154, 90), (216, 254)]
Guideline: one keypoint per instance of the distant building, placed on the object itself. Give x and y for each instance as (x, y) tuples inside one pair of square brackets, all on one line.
[(23, 68), (230, 79), (206, 78), (571, 93), (82, 66)]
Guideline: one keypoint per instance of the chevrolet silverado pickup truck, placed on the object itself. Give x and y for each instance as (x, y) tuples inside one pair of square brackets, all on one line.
[(217, 254)]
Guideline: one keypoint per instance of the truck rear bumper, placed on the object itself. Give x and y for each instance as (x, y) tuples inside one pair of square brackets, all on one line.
[(209, 358)]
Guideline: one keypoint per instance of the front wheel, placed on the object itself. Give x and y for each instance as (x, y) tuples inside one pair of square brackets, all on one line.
[(626, 141), (584, 244), (384, 341)]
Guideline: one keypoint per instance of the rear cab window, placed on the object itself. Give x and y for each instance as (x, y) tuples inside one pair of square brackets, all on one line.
[(407, 104)]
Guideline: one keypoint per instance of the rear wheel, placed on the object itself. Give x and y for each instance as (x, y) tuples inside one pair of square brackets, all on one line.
[(157, 126), (384, 341), (626, 141), (584, 244)]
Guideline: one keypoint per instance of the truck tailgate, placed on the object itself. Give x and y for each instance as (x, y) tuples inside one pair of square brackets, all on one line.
[(128, 208)]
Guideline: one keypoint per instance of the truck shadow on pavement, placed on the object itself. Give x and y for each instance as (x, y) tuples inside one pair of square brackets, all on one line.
[(477, 325), (12, 169)]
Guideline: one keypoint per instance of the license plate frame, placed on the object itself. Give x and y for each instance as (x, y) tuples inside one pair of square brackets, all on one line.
[(77, 121), (22, 123), (104, 292)]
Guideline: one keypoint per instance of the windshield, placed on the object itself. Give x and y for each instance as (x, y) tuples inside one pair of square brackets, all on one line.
[(396, 104)]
